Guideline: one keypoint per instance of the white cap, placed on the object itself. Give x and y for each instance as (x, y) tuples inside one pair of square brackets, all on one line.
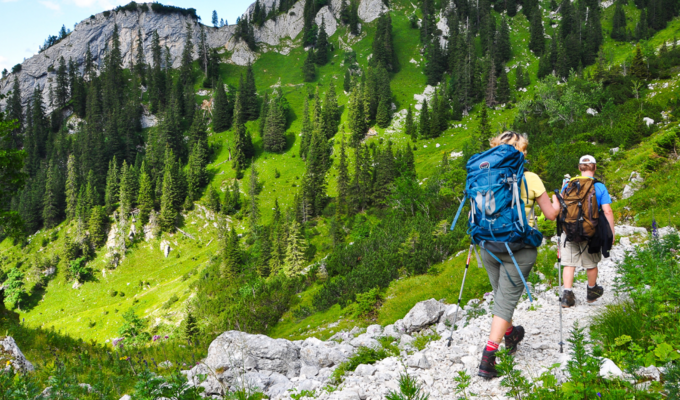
[(587, 160)]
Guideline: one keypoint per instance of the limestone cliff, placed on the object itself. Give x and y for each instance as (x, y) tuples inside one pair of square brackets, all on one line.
[(39, 70)]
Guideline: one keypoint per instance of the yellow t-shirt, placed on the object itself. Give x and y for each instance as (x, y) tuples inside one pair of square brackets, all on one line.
[(536, 189)]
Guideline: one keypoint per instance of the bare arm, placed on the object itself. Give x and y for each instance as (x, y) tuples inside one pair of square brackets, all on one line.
[(547, 207), (609, 214)]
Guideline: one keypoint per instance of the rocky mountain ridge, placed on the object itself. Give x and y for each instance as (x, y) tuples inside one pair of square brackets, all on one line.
[(39, 71)]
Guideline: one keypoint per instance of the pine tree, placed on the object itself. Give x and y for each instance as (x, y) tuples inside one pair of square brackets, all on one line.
[(385, 173), (191, 329), (275, 136), (97, 226), (15, 112), (638, 66), (641, 29), (232, 255), (424, 123), (322, 46), (61, 92), (140, 59), (504, 48), (511, 7), (619, 23), (344, 12), (537, 41), (409, 125), (503, 93), (357, 119), (383, 47), (295, 251), (484, 132), (197, 175), (277, 254), (251, 110), (308, 68), (212, 199), (346, 83), (222, 112), (491, 87), (253, 192), (343, 178), (383, 115), (214, 18), (168, 215), (306, 131), (71, 187), (51, 197), (331, 112), (243, 145), (145, 199), (354, 17), (519, 78), (264, 112)]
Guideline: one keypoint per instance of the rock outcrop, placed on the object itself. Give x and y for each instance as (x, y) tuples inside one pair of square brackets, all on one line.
[(96, 32), (12, 357)]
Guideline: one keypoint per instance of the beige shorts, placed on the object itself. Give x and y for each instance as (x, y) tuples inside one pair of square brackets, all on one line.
[(576, 255)]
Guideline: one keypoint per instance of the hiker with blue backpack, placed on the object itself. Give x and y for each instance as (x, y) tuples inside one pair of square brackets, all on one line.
[(502, 195)]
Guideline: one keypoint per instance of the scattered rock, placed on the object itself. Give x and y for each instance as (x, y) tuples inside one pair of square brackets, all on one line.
[(364, 370), (634, 182), (418, 360), (610, 370), (165, 248), (423, 314), (12, 357)]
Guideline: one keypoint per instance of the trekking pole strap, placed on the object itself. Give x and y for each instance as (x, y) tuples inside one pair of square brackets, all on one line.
[(519, 272), (460, 208), (500, 262)]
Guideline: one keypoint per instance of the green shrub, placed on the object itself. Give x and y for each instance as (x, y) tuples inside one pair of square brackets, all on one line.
[(366, 302), (409, 389), (364, 355), (172, 300), (423, 339)]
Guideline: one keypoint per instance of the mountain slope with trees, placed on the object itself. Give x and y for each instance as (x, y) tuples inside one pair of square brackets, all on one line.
[(275, 193)]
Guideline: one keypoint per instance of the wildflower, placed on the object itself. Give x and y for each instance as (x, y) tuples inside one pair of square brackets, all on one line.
[(123, 358), (166, 336), (655, 232), (599, 394), (9, 363), (156, 337)]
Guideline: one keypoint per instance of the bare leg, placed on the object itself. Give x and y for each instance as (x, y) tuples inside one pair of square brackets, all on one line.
[(592, 276), (498, 328), (568, 277)]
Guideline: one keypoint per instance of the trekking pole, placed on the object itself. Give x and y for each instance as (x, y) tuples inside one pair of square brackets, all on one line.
[(559, 273), (460, 296)]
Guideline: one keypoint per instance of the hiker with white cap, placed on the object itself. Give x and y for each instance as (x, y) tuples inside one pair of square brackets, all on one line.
[(587, 223)]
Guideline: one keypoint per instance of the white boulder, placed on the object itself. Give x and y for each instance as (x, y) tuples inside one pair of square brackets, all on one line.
[(423, 314), (12, 357)]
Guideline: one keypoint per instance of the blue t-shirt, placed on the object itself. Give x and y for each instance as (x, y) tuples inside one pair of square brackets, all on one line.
[(601, 192)]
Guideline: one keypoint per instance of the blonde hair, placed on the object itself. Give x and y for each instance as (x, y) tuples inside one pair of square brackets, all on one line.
[(513, 139)]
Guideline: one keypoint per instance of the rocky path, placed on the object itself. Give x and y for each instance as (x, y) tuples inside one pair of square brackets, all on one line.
[(437, 365)]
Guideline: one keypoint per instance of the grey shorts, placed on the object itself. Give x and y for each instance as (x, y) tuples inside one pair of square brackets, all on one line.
[(505, 280), (576, 255)]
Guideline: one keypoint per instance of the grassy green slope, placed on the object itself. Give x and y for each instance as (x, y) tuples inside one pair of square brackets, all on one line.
[(92, 313)]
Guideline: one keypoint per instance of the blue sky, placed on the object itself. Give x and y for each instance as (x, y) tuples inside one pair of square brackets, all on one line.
[(25, 24)]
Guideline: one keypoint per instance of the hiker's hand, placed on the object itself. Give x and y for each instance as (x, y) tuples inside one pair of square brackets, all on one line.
[(555, 203)]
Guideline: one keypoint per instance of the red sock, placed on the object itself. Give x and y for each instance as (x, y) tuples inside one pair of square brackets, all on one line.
[(491, 346), (509, 331)]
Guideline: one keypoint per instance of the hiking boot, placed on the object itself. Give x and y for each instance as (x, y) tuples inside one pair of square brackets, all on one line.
[(568, 298), (595, 293), (487, 368), (513, 339)]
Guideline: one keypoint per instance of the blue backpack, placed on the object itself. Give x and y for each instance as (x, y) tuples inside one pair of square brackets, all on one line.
[(497, 222)]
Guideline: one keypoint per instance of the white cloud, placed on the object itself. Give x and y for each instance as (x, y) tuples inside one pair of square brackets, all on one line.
[(51, 5), (9, 1)]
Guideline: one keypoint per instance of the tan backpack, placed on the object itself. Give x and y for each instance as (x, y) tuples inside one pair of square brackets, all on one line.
[(580, 212)]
